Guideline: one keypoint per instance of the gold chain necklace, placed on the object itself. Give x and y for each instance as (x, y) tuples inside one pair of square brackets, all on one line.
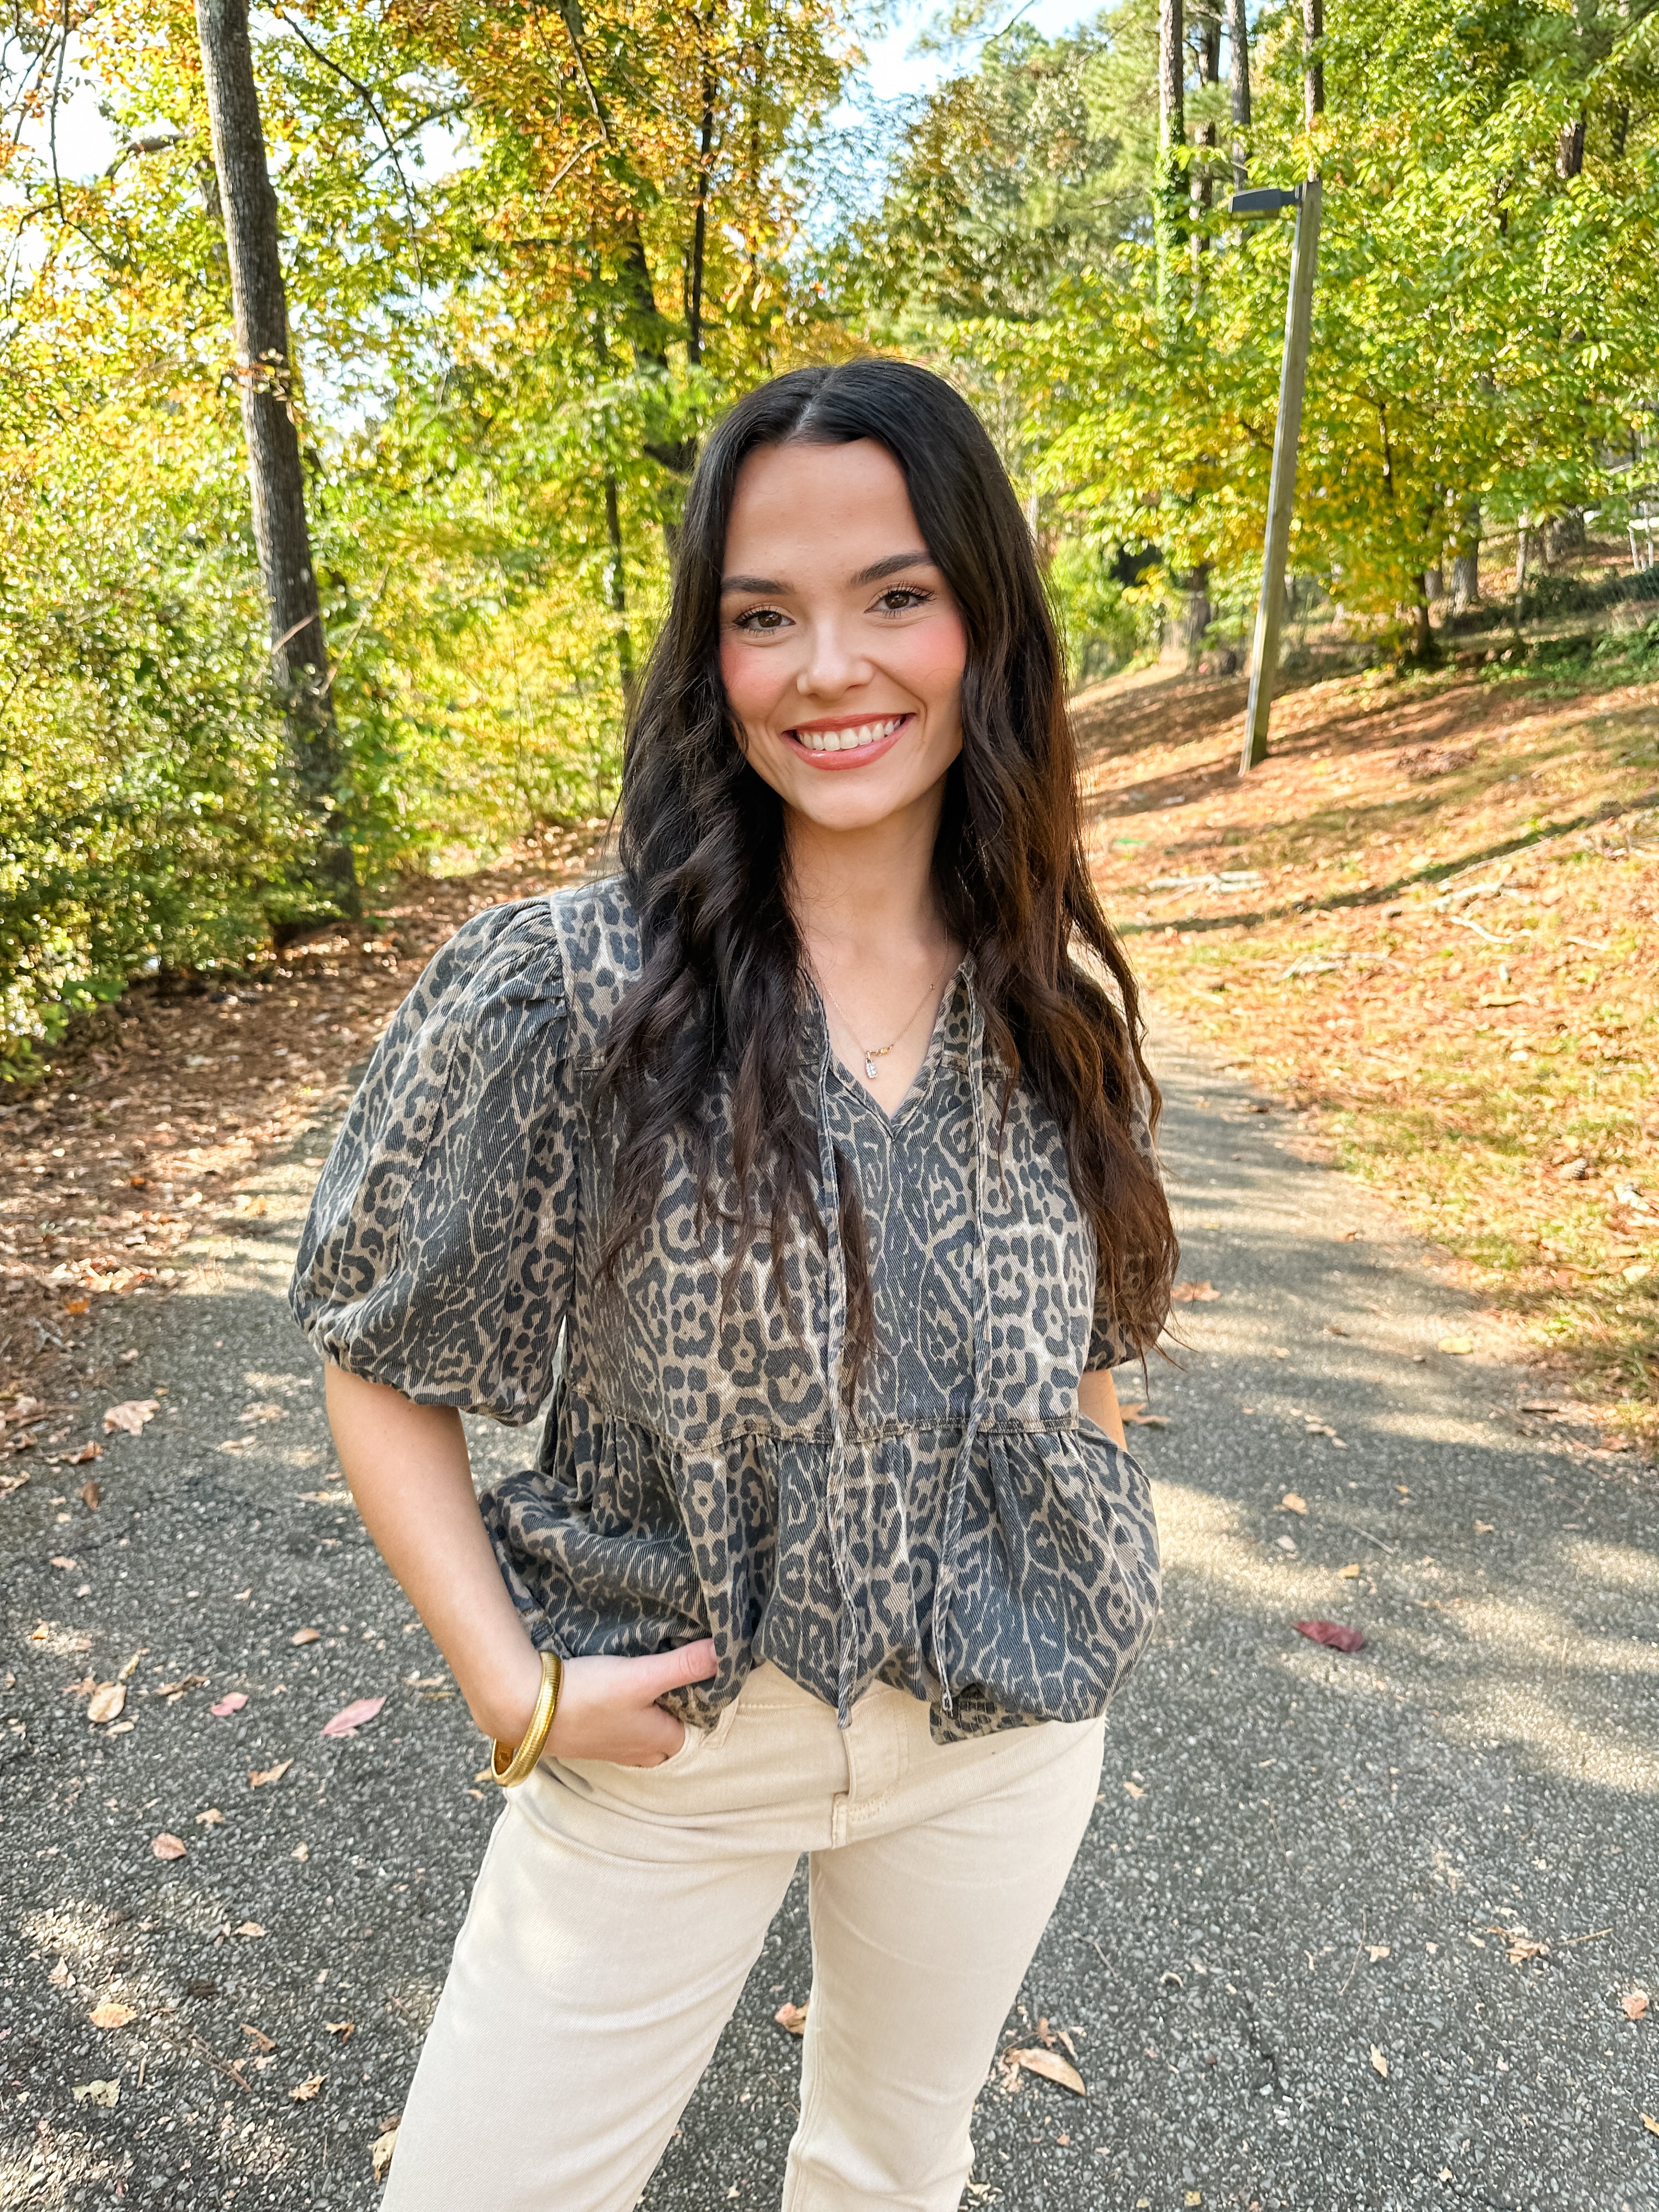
[(872, 1053)]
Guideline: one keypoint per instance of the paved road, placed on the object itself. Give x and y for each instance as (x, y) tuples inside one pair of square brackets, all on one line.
[(1303, 1866)]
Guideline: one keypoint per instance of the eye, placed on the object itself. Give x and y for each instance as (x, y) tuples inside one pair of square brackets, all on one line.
[(760, 622), (901, 599)]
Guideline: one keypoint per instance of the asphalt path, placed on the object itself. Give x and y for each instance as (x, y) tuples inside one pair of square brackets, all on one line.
[(1348, 1930)]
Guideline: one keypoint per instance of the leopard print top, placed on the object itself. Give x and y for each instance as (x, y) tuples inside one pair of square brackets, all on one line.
[(957, 1529)]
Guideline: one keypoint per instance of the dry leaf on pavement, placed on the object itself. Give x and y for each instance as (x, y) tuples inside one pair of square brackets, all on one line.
[(305, 1636), (345, 2029), (1459, 1345), (1051, 2066), (226, 1706), (213, 1818), (1635, 2005), (351, 1717), (168, 1846), (258, 1776), (106, 1703), (131, 1414), (1331, 1633), (106, 2093), (1350, 1573), (1134, 1790), (303, 2092), (112, 2016), (1650, 2123), (80, 1458), (251, 1929), (380, 2153), (258, 2037), (1293, 1502), (89, 1494), (1376, 1951), (792, 2019), (1379, 2061)]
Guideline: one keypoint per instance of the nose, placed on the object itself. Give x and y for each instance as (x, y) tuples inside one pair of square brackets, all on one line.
[(833, 666)]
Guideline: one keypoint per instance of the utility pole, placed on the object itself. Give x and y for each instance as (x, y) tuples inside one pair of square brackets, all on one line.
[(264, 377), (1292, 380), (1281, 490)]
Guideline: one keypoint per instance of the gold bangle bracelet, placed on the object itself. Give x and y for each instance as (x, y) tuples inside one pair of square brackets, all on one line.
[(510, 1766)]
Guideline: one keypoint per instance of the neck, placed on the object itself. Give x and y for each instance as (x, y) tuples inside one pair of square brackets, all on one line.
[(862, 892)]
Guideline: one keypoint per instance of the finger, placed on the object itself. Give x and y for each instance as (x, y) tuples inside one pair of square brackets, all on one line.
[(671, 1670)]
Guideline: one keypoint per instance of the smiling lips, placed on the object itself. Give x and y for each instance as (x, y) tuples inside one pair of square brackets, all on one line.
[(847, 743)]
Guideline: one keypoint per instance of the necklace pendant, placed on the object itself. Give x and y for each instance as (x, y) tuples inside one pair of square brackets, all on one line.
[(870, 1066)]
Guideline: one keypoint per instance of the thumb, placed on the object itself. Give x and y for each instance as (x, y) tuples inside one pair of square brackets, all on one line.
[(671, 1670)]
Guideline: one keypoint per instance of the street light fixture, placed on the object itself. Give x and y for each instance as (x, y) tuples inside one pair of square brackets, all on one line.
[(1281, 490)]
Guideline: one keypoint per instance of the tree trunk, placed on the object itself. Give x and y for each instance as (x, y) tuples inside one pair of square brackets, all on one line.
[(1569, 151), (1195, 616), (616, 583), (700, 224), (1199, 189), (1238, 82), (264, 375), (1206, 40), (1466, 561), (1422, 645), (1168, 193), (1313, 62)]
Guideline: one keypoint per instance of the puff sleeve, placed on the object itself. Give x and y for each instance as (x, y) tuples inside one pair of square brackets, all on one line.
[(438, 1250), (1109, 1341)]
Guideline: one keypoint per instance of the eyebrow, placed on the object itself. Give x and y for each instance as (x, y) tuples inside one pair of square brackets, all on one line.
[(873, 574)]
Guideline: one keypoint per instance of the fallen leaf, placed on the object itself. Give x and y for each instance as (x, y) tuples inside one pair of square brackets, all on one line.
[(325, 1498), (1376, 1951), (177, 1689), (106, 2093), (1521, 1949), (60, 1977), (77, 1305), (1379, 2061), (1483, 1528), (1286, 1543), (130, 1666), (106, 1703), (305, 1636), (64, 1564), (226, 1706), (112, 2016), (131, 1414), (1194, 1294), (792, 2019), (1348, 1236), (344, 2029), (1456, 1344), (351, 1717), (258, 2037), (1138, 1418), (303, 2092), (1133, 1789), (1330, 1633), (213, 1818), (1050, 2065), (380, 2153), (264, 1413), (89, 1495), (80, 1458), (258, 1776), (1635, 2005), (251, 1929), (166, 1846), (1650, 2123), (300, 1851), (1292, 1503), (1350, 1573)]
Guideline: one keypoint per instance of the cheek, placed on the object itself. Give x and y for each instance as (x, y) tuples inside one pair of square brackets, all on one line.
[(751, 688), (936, 656)]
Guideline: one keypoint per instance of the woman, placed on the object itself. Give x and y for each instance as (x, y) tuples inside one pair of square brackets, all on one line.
[(804, 1166)]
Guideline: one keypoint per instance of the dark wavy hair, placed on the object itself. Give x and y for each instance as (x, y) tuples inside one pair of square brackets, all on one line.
[(703, 851)]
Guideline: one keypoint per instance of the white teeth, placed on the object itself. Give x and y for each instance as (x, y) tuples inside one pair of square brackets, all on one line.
[(848, 741)]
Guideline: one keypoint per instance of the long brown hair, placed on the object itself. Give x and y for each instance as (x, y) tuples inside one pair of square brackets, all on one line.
[(704, 850)]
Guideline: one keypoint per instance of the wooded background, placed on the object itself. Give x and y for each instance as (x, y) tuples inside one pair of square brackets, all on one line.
[(528, 252)]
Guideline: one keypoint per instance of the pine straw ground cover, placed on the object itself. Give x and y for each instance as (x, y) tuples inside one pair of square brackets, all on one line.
[(153, 1110), (1431, 919)]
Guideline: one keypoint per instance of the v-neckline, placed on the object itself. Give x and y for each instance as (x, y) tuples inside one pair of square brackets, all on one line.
[(921, 1081)]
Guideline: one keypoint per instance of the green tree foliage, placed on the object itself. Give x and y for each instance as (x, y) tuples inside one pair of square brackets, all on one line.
[(529, 251), (1486, 324)]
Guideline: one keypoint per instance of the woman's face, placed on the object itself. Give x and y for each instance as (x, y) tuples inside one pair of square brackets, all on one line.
[(841, 646)]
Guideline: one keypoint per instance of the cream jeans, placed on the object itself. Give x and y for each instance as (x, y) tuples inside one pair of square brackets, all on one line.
[(619, 1910)]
